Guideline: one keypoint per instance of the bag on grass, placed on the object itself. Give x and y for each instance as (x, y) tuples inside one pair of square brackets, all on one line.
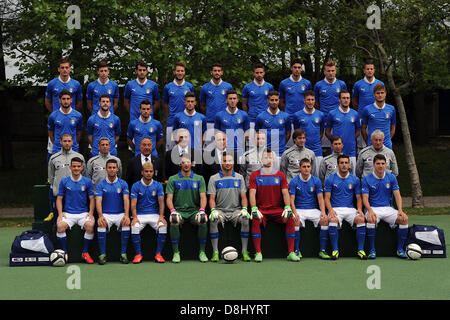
[(31, 248), (430, 239)]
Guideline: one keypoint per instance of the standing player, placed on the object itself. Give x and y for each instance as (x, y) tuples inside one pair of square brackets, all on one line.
[(228, 203), (186, 200), (139, 90), (311, 121), (379, 116), (145, 127), (174, 99), (103, 123), (329, 164), (147, 207), (234, 122), (377, 191), (307, 204), (268, 190), (65, 120), (275, 123), (112, 203), (78, 207), (344, 122), (100, 87), (256, 93), (340, 190)]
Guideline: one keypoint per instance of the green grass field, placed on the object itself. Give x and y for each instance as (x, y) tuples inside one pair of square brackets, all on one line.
[(273, 279)]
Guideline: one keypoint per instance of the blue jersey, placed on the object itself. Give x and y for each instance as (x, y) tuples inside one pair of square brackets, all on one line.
[(147, 196), (96, 89), (313, 124), (195, 124), (100, 127), (293, 94), (61, 123), (137, 129), (173, 94), (234, 125), (345, 125), (363, 91), (112, 195), (379, 119), (215, 98), (342, 190), (257, 96), (137, 93), (379, 190), (55, 87), (76, 194), (276, 126), (305, 192), (328, 94)]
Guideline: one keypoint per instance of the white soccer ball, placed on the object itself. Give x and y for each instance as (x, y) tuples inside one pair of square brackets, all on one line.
[(58, 258), (229, 254), (413, 251)]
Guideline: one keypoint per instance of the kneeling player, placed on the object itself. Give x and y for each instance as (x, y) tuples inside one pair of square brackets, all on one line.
[(228, 202), (147, 207), (75, 190), (340, 188), (377, 190), (268, 189), (307, 203), (186, 200), (112, 201)]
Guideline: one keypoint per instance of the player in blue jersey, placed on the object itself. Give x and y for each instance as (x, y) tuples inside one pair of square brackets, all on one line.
[(341, 188), (344, 122), (103, 85), (377, 191), (112, 203), (173, 97), (256, 93), (275, 123), (103, 124), (379, 116), (234, 122), (139, 90), (64, 120), (307, 204), (312, 121), (77, 192), (193, 121), (145, 127), (147, 208)]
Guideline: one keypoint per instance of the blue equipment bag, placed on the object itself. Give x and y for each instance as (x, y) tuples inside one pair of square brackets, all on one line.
[(31, 248), (430, 239)]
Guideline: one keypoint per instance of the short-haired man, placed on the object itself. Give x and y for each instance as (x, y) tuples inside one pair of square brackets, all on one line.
[(102, 86), (329, 164), (139, 90), (377, 191), (77, 192), (340, 190), (112, 203)]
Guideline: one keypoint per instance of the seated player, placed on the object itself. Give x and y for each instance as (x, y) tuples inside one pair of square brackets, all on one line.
[(147, 207), (112, 202), (340, 189), (228, 203), (377, 191), (77, 192), (186, 200), (307, 204), (268, 190)]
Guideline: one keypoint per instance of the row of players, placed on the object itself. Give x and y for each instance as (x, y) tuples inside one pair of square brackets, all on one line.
[(270, 196)]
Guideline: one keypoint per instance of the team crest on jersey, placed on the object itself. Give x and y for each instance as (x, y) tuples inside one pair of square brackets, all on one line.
[(195, 185), (196, 122), (338, 90), (316, 120), (388, 185), (239, 120), (72, 121), (277, 180), (119, 190), (71, 90), (266, 92), (223, 91), (185, 91), (111, 125), (352, 119), (154, 193), (281, 121), (147, 91), (236, 184), (83, 188), (350, 186), (388, 115), (109, 91), (303, 88), (311, 189), (152, 129)]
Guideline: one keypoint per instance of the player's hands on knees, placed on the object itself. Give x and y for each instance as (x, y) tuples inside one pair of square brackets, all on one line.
[(162, 221), (256, 213), (323, 216), (215, 216), (332, 214), (287, 213), (125, 222), (201, 217), (102, 222), (244, 214), (135, 221), (175, 218), (371, 216)]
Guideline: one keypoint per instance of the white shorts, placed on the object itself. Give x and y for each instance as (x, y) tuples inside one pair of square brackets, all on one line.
[(347, 214), (309, 214), (114, 219), (148, 219), (387, 214), (72, 219)]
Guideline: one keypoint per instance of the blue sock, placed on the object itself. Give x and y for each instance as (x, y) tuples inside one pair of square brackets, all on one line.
[(333, 233), (101, 236), (124, 236), (323, 236), (160, 242), (370, 231), (402, 233), (297, 239), (87, 241), (360, 236), (62, 240), (136, 239)]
